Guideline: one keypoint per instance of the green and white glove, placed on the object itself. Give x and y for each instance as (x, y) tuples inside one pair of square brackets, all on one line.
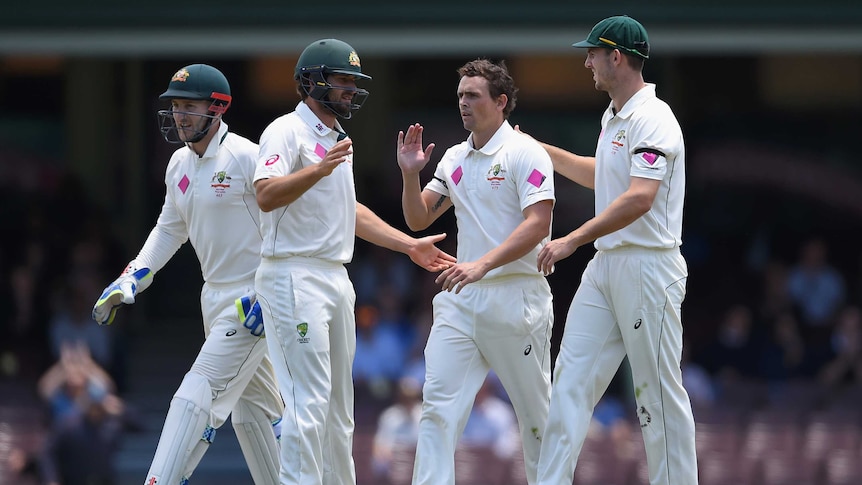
[(123, 290)]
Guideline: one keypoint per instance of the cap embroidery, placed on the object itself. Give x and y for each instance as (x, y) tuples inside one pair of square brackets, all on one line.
[(180, 75), (353, 59)]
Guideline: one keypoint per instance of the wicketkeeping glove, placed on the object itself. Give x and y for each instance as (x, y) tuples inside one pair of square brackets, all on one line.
[(248, 311), (123, 290)]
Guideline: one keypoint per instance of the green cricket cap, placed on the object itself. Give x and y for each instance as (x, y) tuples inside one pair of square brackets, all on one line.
[(620, 32)]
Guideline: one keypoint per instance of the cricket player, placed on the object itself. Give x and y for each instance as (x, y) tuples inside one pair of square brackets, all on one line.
[(305, 186), (631, 293), (495, 310), (210, 201)]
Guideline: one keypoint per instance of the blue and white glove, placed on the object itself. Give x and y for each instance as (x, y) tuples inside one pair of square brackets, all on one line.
[(248, 311), (123, 290)]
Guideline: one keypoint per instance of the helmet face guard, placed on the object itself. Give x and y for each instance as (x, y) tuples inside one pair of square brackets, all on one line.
[(170, 130), (316, 86)]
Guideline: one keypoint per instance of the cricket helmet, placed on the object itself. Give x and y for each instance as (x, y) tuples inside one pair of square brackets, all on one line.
[(322, 58), (195, 82)]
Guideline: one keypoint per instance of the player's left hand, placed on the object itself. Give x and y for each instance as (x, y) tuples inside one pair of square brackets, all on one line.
[(249, 313), (410, 155), (460, 275), (425, 254), (554, 251)]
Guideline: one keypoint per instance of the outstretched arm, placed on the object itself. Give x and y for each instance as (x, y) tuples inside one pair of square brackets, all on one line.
[(577, 168), (422, 251), (625, 209)]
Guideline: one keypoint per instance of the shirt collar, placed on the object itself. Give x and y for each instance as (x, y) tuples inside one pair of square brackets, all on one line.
[(217, 140), (637, 99), (314, 122), (496, 141)]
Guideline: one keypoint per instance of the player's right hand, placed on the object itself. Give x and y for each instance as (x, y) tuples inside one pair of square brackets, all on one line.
[(122, 290)]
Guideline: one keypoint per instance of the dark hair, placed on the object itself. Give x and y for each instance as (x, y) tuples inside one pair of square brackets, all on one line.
[(499, 80), (635, 62)]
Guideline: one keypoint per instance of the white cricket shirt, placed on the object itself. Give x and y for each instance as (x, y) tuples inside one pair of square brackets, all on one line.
[(321, 223), (210, 201), (490, 187), (643, 140)]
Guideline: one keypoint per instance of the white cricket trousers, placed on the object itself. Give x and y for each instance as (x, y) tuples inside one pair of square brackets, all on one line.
[(234, 361), (628, 303), (502, 324), (308, 311)]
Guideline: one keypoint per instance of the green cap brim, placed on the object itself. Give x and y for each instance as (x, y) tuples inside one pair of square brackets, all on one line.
[(358, 75), (587, 44)]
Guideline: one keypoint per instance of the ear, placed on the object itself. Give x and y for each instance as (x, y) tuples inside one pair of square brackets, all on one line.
[(502, 101)]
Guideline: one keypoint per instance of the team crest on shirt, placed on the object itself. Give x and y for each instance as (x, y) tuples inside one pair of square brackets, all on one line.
[(619, 141), (220, 183), (496, 176), (302, 330)]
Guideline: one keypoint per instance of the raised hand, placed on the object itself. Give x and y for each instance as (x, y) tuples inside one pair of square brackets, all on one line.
[(411, 157)]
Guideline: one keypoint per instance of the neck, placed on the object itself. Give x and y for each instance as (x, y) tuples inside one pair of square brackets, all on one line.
[(480, 138), (200, 147), (322, 112), (624, 93)]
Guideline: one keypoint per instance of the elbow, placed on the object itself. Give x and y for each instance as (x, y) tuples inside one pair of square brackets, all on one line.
[(416, 221), (264, 203), (415, 226), (642, 205)]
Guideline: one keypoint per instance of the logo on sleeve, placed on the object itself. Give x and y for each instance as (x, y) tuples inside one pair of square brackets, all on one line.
[(272, 159), (536, 178), (649, 157)]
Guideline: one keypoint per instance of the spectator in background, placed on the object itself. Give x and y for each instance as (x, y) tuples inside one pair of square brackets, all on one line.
[(734, 353), (380, 357), (25, 333), (72, 323), (378, 268), (696, 380), (817, 289), (844, 364), (774, 298), (85, 422), (397, 426), (783, 354), (72, 382), (492, 423)]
